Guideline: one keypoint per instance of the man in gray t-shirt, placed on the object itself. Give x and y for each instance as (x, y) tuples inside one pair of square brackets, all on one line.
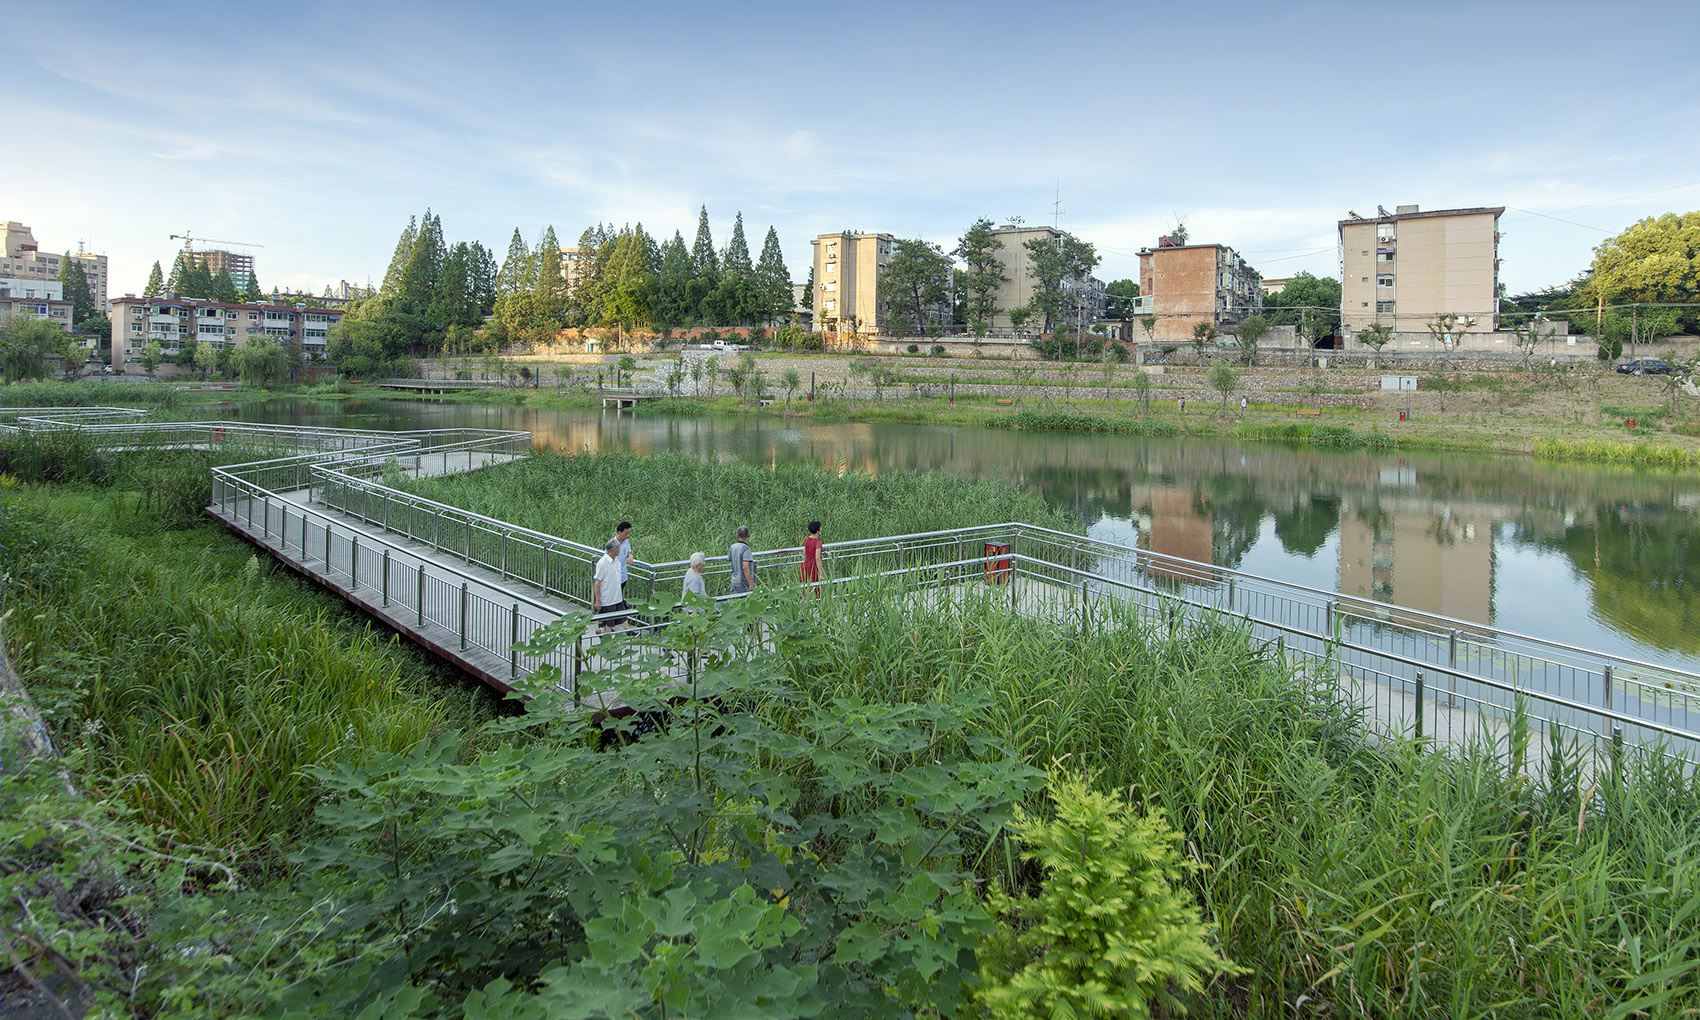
[(743, 563)]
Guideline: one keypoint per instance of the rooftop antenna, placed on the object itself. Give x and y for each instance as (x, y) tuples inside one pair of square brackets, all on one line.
[(1056, 206)]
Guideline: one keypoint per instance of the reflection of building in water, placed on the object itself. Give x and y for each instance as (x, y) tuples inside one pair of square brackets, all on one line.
[(1439, 562), (1181, 525)]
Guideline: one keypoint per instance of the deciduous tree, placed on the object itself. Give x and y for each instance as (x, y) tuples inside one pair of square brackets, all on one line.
[(916, 281), (27, 345), (1375, 337), (1249, 334), (1051, 264), (978, 249)]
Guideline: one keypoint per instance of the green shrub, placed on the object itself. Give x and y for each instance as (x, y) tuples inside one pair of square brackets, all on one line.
[(1109, 929)]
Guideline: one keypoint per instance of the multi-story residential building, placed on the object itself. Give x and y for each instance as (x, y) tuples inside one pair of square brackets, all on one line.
[(1406, 267), (25, 261), (1185, 284), (36, 299), (169, 321), (1083, 296), (576, 264), (847, 271), (240, 266)]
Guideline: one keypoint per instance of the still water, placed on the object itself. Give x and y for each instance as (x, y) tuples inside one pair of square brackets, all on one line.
[(1594, 556)]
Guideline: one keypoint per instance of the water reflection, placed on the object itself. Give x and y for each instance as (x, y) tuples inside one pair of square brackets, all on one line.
[(1600, 557)]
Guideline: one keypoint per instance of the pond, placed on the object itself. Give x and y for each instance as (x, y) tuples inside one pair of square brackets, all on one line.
[(1597, 556)]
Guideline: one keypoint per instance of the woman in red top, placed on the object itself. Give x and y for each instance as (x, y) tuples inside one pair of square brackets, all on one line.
[(812, 555)]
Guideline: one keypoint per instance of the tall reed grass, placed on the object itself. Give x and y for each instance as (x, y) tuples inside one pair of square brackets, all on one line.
[(202, 681), (1355, 879), (680, 503)]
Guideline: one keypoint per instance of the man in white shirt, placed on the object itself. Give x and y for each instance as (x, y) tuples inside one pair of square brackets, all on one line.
[(606, 595)]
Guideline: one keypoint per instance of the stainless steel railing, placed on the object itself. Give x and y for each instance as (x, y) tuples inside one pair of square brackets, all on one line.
[(1414, 673)]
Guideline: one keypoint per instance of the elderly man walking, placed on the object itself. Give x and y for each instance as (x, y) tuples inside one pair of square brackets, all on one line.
[(606, 594)]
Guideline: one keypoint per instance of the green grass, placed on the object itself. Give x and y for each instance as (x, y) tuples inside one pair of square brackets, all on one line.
[(200, 679), (1371, 880), (680, 504)]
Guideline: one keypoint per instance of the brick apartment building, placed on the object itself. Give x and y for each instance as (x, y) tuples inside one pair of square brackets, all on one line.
[(1185, 284)]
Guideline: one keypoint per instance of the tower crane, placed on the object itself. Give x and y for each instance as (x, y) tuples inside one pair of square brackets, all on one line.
[(189, 239)]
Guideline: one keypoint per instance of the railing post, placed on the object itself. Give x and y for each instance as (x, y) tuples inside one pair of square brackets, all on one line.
[(266, 520), (546, 576), (504, 556), (578, 666), (1613, 730), (327, 547), (513, 645), (1014, 568), (354, 560), (1230, 593), (1083, 622), (420, 598), (463, 616), (1452, 664), (1419, 711), (1328, 621), (384, 587)]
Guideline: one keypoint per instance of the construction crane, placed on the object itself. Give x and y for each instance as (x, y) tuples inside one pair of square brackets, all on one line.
[(189, 239)]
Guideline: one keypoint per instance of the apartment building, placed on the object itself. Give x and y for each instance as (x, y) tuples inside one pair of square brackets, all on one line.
[(169, 321), (1186, 284), (576, 264), (847, 271), (240, 266), (1085, 297), (26, 261), (36, 299), (1406, 267)]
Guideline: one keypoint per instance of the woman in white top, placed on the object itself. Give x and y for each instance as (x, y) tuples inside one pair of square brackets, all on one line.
[(694, 582)]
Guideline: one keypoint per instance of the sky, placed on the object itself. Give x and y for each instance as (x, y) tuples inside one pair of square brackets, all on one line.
[(313, 131)]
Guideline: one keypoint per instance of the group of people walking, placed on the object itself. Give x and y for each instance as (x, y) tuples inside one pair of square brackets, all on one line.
[(613, 570)]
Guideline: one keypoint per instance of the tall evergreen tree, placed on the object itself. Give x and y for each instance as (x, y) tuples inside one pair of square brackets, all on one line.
[(632, 285), (224, 288), (398, 261), (518, 272), (705, 265), (451, 301), (75, 285), (197, 279), (550, 294), (481, 279), (673, 284), (736, 260), (156, 282), (424, 265), (773, 280), (179, 268)]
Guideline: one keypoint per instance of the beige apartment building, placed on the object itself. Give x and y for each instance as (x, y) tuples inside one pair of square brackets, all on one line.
[(1406, 267), (1186, 284), (1085, 296), (25, 261), (576, 264), (169, 321), (847, 272)]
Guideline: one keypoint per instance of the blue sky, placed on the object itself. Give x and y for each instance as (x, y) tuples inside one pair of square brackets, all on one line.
[(317, 130)]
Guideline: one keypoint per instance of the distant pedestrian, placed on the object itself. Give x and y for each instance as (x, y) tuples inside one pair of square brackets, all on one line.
[(1242, 405), (812, 554), (743, 563), (1183, 405), (623, 535), (694, 584), (606, 594)]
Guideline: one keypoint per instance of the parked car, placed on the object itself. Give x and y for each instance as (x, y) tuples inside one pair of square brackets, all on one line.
[(1645, 366)]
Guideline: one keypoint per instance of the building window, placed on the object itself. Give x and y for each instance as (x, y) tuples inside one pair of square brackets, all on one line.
[(1384, 308), (1384, 232), (253, 315), (1384, 280), (1384, 256), (135, 327)]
